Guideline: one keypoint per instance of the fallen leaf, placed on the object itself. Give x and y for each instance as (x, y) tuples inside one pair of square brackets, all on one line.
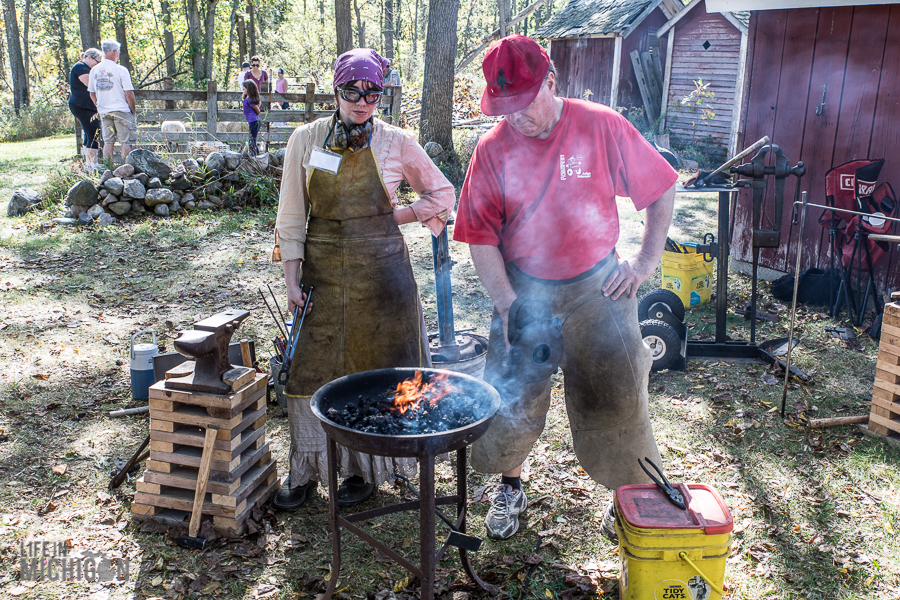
[(769, 379), (18, 590), (59, 469), (210, 587), (40, 376)]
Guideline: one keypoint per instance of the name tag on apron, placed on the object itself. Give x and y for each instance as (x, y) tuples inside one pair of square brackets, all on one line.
[(325, 160)]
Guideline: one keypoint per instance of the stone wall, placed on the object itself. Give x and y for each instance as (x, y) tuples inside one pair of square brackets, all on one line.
[(147, 185)]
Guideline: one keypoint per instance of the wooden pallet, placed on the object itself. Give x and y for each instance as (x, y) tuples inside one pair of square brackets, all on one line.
[(884, 417), (243, 472)]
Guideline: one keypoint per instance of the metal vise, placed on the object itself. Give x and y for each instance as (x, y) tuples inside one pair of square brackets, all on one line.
[(757, 170), (207, 344), (536, 343)]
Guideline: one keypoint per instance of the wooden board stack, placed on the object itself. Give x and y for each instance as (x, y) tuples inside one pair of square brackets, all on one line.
[(243, 471), (884, 418)]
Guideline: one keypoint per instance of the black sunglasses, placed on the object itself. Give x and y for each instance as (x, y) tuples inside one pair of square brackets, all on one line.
[(353, 95)]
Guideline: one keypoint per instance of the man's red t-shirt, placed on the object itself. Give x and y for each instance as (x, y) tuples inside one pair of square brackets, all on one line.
[(550, 204)]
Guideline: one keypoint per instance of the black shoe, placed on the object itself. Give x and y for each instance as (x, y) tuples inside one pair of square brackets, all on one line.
[(289, 498), (354, 490)]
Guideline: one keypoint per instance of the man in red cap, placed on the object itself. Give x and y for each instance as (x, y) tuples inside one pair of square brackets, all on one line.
[(538, 209)]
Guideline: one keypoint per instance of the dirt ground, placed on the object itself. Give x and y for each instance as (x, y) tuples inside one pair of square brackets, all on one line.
[(814, 511)]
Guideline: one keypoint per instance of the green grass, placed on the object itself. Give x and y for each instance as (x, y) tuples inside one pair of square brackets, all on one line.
[(31, 164), (815, 513)]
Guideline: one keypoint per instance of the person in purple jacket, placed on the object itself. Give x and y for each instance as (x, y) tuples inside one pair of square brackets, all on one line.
[(251, 112)]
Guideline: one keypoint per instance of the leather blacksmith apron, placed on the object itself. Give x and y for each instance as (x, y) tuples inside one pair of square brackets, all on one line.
[(366, 313), (365, 304)]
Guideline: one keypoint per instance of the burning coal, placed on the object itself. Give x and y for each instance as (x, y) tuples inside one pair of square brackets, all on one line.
[(418, 405)]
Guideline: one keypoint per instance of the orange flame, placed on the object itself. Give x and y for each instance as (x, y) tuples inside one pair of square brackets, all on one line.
[(412, 393)]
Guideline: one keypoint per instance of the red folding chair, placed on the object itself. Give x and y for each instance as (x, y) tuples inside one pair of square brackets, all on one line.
[(852, 186)]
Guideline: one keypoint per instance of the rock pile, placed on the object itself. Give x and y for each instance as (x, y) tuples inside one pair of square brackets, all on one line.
[(23, 200), (146, 184)]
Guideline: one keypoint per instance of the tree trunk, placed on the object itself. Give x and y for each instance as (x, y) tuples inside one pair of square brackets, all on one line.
[(360, 26), (389, 30), (16, 66), (26, 50), (343, 26), (210, 29), (415, 30), (228, 63), (503, 13), (168, 39), (436, 124), (321, 12), (242, 38), (95, 22), (86, 25), (64, 65), (122, 38), (193, 22), (252, 24)]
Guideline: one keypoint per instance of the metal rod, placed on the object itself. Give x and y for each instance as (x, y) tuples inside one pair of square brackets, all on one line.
[(271, 312), (302, 318), (275, 300), (787, 359), (849, 212), (756, 146)]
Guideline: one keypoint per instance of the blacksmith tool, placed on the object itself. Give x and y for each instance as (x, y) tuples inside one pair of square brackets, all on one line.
[(536, 343), (674, 495), (705, 178), (787, 369), (457, 538), (292, 341), (277, 322), (208, 344), (136, 458), (281, 314), (192, 539)]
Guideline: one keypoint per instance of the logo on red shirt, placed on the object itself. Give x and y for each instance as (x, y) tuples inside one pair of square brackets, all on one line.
[(571, 167)]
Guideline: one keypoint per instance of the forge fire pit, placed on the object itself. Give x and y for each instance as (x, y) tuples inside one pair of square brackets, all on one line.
[(430, 399)]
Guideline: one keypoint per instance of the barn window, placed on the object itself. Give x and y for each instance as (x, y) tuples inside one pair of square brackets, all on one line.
[(706, 45)]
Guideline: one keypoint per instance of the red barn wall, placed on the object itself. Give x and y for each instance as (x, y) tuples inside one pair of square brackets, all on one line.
[(629, 93), (717, 66), (584, 64), (792, 54)]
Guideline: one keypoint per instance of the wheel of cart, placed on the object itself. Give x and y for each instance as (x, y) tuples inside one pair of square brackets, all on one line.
[(659, 304), (664, 343)]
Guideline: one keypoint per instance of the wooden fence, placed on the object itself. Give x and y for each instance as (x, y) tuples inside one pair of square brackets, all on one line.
[(203, 124)]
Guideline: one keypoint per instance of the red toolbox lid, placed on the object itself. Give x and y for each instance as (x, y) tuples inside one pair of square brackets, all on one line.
[(648, 507)]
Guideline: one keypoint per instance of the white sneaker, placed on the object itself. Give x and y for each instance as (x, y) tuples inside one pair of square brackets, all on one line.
[(608, 523), (502, 519)]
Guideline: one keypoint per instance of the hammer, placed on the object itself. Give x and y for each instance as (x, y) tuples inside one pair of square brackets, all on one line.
[(191, 540)]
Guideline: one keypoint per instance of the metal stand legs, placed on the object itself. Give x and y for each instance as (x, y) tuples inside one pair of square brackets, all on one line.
[(426, 507)]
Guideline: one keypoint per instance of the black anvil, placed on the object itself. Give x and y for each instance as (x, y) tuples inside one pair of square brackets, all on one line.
[(207, 344)]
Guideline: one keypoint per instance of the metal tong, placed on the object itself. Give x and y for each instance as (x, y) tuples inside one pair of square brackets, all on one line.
[(292, 340), (674, 495), (457, 538)]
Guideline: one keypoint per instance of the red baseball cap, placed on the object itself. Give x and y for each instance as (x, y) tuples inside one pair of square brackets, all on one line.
[(514, 69)]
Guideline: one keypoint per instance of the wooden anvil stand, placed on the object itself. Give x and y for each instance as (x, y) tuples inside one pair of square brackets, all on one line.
[(242, 472)]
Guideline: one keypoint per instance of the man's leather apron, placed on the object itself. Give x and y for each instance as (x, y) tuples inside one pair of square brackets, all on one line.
[(365, 308), (606, 368)]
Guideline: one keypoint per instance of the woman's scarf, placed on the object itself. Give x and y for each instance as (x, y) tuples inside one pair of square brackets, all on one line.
[(353, 137)]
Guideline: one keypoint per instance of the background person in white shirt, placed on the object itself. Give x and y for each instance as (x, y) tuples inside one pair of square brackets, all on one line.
[(111, 90)]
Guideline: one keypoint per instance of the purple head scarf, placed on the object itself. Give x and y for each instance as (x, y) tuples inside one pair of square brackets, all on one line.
[(359, 64)]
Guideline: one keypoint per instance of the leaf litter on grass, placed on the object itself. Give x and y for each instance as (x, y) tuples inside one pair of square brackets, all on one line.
[(814, 512)]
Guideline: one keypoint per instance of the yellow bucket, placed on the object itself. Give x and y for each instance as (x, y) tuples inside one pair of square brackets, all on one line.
[(667, 553), (688, 275)]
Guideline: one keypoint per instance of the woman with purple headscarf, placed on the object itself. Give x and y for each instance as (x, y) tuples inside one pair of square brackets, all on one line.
[(338, 231)]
